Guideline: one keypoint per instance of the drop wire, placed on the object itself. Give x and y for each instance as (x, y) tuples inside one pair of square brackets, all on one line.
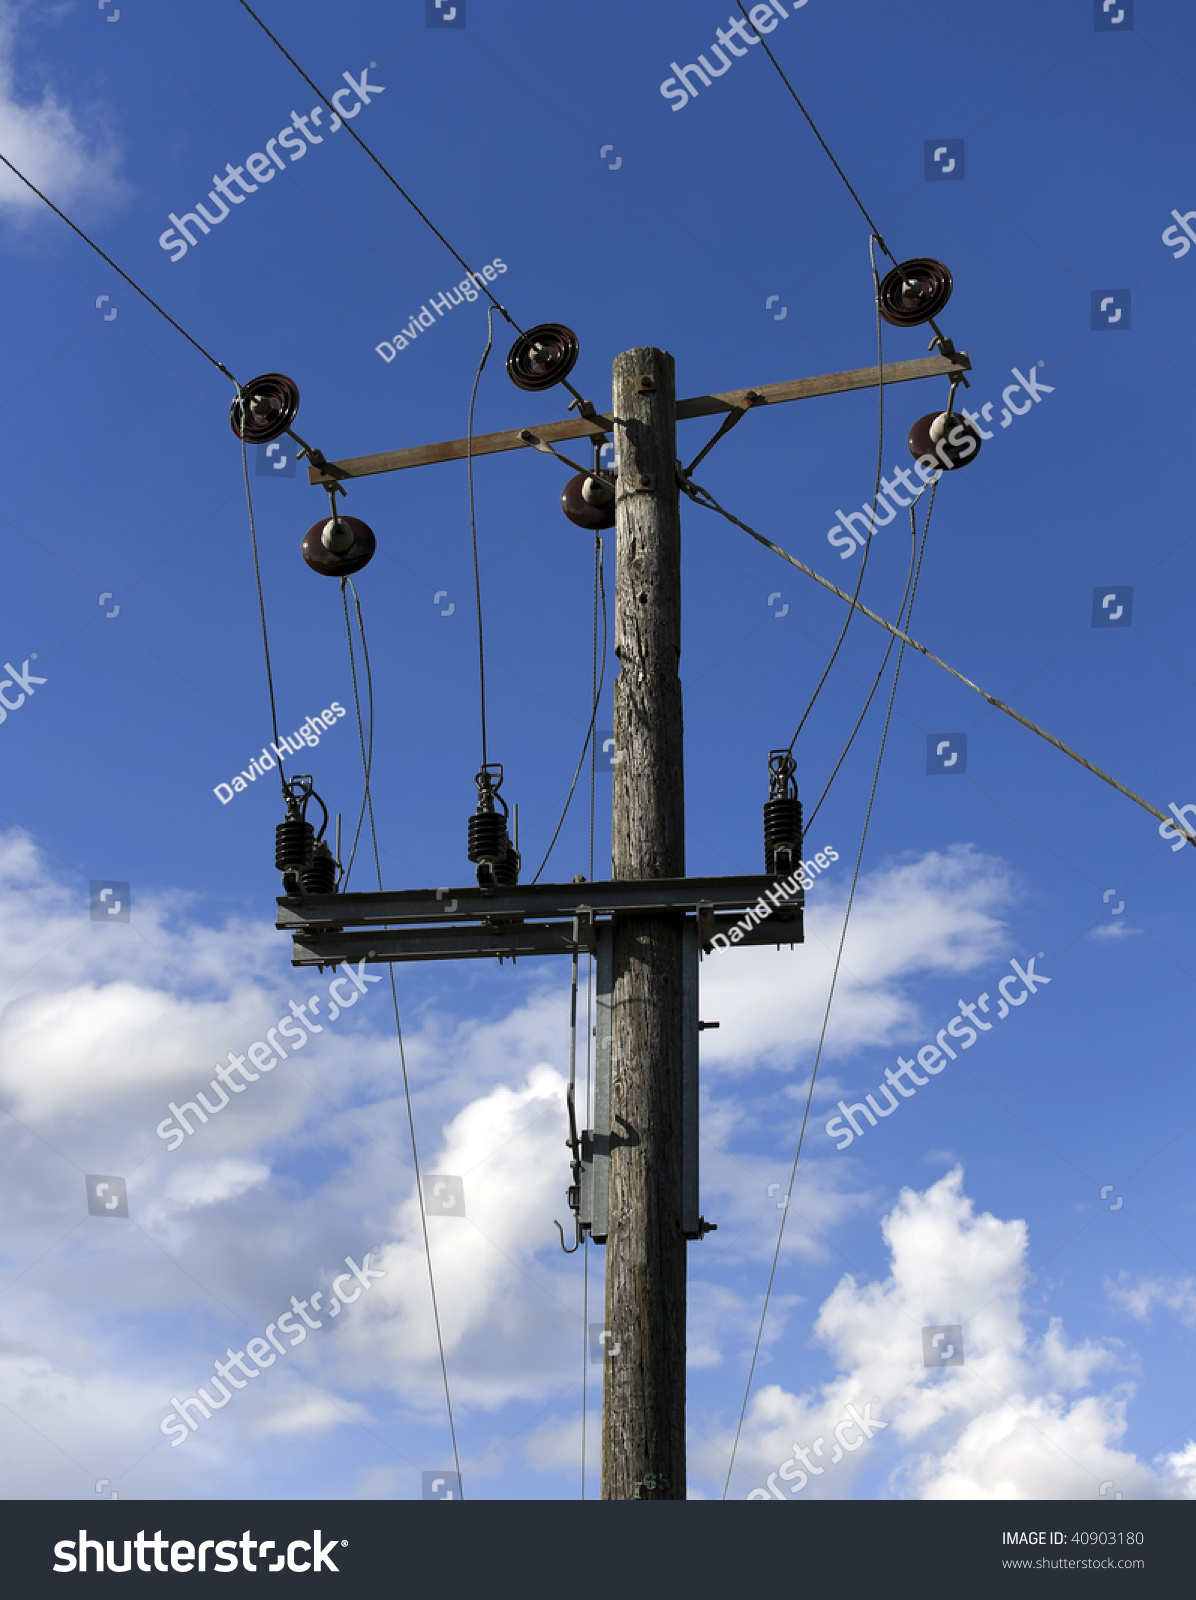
[(394, 995), (880, 445), (912, 593), (261, 602), (473, 522)]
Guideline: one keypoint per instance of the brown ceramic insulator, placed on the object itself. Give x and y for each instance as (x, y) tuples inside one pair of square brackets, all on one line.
[(342, 564), (914, 292), (579, 510), (542, 356), (269, 405), (957, 446)]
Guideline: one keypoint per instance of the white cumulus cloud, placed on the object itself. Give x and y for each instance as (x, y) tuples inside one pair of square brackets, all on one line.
[(1014, 1421), (67, 151)]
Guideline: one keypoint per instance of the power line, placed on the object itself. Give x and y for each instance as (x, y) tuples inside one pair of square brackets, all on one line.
[(599, 589), (382, 168), (704, 497), (473, 524), (261, 602), (207, 355), (390, 178), (816, 133), (913, 563), (394, 995), (367, 744), (880, 446), (911, 591)]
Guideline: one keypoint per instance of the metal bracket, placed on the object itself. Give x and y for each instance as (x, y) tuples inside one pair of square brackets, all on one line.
[(595, 1142), (690, 1221)]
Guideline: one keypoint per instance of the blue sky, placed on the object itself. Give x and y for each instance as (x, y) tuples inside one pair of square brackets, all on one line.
[(978, 1204)]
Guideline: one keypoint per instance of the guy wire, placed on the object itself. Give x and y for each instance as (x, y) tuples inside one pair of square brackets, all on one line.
[(703, 497)]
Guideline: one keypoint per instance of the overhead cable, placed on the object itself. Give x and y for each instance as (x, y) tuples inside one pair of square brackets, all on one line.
[(261, 603), (207, 355), (880, 445), (473, 524), (390, 178), (915, 568), (816, 133), (599, 590), (382, 168), (911, 591), (704, 497), (367, 760)]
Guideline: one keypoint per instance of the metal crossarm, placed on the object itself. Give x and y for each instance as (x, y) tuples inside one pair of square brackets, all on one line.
[(536, 919), (703, 405)]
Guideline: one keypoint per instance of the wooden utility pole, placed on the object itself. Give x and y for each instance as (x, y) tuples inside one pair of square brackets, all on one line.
[(634, 1180), (643, 1403)]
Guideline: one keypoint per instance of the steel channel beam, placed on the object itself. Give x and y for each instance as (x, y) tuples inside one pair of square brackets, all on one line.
[(445, 907), (330, 947)]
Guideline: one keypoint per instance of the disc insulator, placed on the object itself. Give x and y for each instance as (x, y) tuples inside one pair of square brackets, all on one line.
[(950, 442), (914, 292), (542, 356), (268, 407), (585, 513), (323, 541)]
